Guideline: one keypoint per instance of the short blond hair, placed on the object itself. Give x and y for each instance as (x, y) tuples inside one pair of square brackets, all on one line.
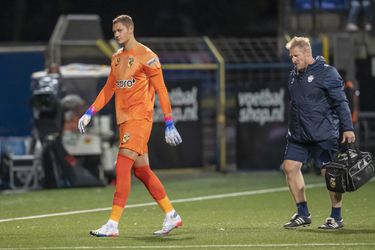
[(124, 19), (300, 42)]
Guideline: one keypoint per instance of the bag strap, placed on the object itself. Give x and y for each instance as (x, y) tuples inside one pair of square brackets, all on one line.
[(354, 146), (348, 147), (347, 151)]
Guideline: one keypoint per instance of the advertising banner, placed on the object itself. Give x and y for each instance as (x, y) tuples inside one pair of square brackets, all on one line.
[(184, 96), (261, 125)]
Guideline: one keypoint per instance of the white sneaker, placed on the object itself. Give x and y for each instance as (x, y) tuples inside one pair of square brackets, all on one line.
[(351, 27), (331, 223), (105, 231), (170, 223)]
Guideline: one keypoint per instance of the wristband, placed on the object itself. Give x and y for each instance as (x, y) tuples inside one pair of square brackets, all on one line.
[(168, 122), (90, 111)]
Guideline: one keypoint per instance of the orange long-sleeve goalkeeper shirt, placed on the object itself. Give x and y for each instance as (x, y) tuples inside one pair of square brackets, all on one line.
[(134, 77)]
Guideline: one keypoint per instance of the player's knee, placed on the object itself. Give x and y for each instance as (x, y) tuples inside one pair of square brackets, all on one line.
[(286, 168), (128, 153), (291, 166), (142, 172), (323, 172)]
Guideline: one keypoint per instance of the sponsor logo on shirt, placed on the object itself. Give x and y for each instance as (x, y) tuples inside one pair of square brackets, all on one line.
[(125, 83), (152, 61)]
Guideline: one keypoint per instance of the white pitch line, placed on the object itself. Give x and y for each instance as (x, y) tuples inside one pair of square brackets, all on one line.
[(200, 198), (296, 245)]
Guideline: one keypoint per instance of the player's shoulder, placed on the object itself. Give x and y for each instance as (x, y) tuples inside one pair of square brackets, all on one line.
[(116, 56), (146, 55), (142, 51), (119, 51), (141, 48)]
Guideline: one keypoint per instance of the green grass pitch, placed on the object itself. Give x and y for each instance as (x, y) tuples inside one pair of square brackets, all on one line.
[(243, 221)]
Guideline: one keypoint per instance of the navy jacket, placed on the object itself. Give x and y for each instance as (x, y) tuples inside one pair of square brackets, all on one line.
[(318, 105)]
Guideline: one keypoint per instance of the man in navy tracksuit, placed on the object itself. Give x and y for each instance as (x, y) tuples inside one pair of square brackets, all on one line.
[(318, 107)]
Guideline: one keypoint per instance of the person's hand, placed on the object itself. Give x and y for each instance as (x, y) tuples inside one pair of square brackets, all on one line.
[(172, 137), (83, 122), (85, 119), (348, 136)]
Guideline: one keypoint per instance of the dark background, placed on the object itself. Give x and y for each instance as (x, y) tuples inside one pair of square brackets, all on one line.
[(34, 20)]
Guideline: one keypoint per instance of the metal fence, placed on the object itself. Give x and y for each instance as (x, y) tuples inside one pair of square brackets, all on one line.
[(254, 68)]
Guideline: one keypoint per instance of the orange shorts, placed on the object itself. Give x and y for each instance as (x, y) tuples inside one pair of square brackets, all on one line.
[(134, 135)]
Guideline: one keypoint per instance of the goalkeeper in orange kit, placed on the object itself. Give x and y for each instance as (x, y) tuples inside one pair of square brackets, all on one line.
[(134, 78)]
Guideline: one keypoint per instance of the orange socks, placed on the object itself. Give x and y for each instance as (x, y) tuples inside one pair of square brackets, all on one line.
[(123, 180), (116, 213), (165, 205), (154, 187)]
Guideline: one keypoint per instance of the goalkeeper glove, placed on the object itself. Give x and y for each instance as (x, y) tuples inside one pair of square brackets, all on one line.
[(85, 119), (172, 137)]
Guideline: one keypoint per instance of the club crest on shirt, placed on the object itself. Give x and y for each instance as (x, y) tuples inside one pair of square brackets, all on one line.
[(117, 61), (130, 62), (126, 138), (310, 78)]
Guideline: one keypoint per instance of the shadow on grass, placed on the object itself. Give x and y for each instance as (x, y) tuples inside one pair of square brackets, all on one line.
[(340, 231), (156, 239)]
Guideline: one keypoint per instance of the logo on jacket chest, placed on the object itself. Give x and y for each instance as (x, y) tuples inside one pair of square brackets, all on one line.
[(310, 78), (125, 83)]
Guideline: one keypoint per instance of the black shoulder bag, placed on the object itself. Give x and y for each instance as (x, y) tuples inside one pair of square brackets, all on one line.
[(349, 170)]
